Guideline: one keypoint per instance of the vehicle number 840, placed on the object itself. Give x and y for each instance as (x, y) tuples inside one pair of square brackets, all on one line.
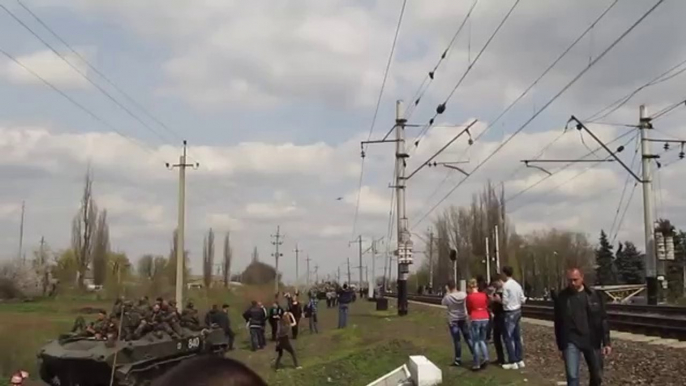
[(193, 343)]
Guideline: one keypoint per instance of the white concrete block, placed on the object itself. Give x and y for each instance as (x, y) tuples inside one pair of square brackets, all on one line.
[(423, 372)]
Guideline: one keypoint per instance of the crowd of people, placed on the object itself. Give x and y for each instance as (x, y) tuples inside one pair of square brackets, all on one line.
[(493, 311)]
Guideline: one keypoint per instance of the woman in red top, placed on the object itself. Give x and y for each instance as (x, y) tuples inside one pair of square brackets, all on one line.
[(477, 307)]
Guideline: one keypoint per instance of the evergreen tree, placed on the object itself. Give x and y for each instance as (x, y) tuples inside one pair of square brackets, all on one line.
[(605, 270), (630, 264)]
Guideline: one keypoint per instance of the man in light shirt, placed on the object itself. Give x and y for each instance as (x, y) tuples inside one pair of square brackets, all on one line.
[(512, 300)]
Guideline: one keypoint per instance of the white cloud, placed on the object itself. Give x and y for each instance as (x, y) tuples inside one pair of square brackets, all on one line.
[(270, 210), (47, 65)]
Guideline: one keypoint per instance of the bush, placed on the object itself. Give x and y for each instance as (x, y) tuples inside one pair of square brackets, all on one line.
[(18, 280)]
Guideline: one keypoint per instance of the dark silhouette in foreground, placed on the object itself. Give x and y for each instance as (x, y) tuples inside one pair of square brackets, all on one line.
[(210, 371)]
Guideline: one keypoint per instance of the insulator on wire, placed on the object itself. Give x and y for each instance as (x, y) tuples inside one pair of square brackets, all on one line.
[(681, 153), (440, 109), (666, 146), (417, 101), (416, 143), (444, 54), (431, 121), (431, 75)]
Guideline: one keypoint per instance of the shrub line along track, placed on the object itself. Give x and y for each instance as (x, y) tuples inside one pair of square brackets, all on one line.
[(663, 321)]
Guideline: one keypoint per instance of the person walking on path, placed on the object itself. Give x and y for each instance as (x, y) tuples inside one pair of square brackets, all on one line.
[(581, 327), (477, 307), (498, 320), (274, 314), (345, 297), (297, 311), (512, 300), (286, 323), (311, 313), (255, 317), (455, 301)]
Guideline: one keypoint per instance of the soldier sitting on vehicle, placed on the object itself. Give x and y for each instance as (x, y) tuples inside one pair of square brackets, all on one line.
[(189, 317), (171, 318)]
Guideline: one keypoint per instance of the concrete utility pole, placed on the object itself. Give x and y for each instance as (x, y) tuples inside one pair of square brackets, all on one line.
[(308, 270), (181, 226), (404, 250), (278, 241), (431, 259), (316, 273), (339, 275), (496, 251), (348, 272), (21, 234), (359, 242), (648, 211), (297, 259)]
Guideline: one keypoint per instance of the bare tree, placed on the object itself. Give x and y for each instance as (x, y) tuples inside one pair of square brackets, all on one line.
[(82, 230), (228, 254), (146, 266), (208, 258), (101, 249)]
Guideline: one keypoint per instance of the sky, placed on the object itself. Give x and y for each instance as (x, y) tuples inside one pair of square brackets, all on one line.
[(274, 98)]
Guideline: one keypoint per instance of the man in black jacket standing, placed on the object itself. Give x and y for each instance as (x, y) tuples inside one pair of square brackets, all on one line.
[(581, 328)]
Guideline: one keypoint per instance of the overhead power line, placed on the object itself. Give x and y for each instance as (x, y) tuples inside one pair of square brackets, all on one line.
[(73, 101), (626, 184), (100, 73), (81, 73), (421, 90), (376, 110), (441, 108), (565, 88)]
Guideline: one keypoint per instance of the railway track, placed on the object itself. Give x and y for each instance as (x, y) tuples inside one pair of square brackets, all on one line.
[(663, 321)]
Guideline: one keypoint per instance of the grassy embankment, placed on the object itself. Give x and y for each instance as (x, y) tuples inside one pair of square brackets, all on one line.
[(373, 344)]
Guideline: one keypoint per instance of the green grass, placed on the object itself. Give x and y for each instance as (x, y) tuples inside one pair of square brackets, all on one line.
[(374, 343)]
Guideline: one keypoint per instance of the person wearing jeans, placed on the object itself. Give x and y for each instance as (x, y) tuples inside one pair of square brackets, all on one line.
[(477, 307), (498, 320), (581, 327), (345, 297), (512, 300), (455, 302)]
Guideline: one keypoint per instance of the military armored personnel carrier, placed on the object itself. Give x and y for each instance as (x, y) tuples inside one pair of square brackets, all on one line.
[(73, 361)]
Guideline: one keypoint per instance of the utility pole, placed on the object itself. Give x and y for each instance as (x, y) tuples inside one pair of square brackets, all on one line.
[(308, 270), (316, 273), (431, 259), (339, 275), (488, 262), (279, 240), (496, 251), (404, 246), (652, 270), (348, 272), (648, 211), (297, 259), (359, 242), (181, 226), (21, 234)]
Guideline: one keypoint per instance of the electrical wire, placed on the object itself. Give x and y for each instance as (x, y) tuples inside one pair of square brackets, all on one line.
[(74, 102), (567, 165), (668, 110), (417, 96), (537, 80), (82, 74), (626, 208), (576, 78), (626, 185), (376, 111), (616, 105), (100, 73), (441, 107)]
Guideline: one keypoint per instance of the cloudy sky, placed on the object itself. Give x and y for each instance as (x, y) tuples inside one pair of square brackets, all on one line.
[(274, 98)]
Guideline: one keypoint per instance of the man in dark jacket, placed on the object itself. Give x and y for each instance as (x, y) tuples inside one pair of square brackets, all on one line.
[(345, 297), (581, 328), (275, 312), (255, 317)]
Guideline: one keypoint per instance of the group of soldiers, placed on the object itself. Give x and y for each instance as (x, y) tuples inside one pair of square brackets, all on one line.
[(138, 320)]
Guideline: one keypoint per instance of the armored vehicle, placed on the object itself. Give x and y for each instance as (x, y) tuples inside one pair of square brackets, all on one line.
[(75, 361)]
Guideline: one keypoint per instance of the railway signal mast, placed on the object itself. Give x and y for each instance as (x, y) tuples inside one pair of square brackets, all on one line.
[(655, 254), (405, 244)]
